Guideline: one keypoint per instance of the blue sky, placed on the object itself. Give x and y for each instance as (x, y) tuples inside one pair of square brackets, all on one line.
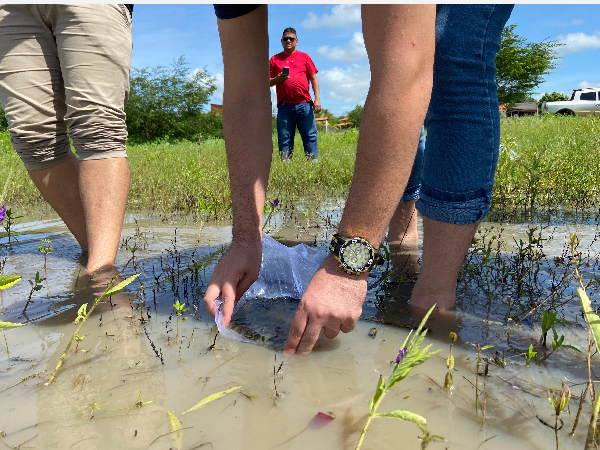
[(331, 35)]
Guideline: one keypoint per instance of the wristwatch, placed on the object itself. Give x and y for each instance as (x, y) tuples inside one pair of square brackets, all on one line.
[(354, 254)]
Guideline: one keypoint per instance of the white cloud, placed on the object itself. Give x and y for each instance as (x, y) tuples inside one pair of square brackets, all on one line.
[(219, 82), (578, 42), (341, 16), (351, 52), (588, 84), (349, 85), (575, 22)]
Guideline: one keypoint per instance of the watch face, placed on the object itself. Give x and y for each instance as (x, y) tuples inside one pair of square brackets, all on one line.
[(356, 255)]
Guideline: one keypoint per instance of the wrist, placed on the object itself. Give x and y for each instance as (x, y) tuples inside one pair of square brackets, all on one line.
[(332, 266)]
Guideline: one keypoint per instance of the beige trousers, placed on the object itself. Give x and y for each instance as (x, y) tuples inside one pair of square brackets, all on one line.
[(65, 67)]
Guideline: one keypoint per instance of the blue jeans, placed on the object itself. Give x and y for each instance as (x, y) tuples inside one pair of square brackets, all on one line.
[(413, 186), (463, 121), (288, 116)]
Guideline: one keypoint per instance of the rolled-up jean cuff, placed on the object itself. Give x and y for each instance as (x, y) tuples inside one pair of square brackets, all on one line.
[(411, 193), (458, 208)]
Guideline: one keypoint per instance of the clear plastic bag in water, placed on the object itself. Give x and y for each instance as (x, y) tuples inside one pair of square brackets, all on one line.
[(284, 272)]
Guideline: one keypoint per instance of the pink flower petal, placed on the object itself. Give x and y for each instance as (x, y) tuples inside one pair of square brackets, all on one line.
[(320, 420)]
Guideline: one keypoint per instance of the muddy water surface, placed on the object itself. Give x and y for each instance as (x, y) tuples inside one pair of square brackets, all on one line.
[(130, 348)]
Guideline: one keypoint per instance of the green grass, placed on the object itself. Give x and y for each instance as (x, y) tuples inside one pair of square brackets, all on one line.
[(545, 163), (549, 162)]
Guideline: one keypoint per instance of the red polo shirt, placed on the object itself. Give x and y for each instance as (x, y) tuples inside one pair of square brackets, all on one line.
[(295, 88)]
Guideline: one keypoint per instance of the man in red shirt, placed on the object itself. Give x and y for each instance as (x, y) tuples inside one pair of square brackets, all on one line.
[(290, 72)]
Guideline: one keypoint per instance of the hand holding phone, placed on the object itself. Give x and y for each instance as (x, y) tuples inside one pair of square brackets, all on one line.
[(286, 72)]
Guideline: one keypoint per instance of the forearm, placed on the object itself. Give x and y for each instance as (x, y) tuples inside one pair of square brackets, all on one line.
[(273, 81), (247, 118), (315, 86), (394, 112)]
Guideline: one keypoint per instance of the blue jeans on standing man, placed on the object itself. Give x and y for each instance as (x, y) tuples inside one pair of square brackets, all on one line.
[(463, 121), (288, 116)]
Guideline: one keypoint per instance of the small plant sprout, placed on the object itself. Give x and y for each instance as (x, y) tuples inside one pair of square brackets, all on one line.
[(410, 356), (8, 225), (45, 247), (450, 363), (180, 309), (529, 355), (269, 209), (78, 339), (35, 286), (559, 403), (83, 314), (548, 323)]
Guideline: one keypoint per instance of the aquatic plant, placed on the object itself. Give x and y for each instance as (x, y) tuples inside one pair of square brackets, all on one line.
[(269, 209), (180, 309), (8, 226), (450, 363), (36, 285), (45, 247), (410, 356), (559, 403), (83, 314)]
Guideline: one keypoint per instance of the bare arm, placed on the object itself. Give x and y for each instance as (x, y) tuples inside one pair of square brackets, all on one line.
[(249, 146), (401, 81), (315, 86)]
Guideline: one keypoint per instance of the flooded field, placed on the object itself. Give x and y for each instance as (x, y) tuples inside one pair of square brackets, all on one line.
[(136, 366)]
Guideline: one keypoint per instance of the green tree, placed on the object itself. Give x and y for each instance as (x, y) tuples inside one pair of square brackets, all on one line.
[(521, 65), (554, 97), (168, 102), (355, 115)]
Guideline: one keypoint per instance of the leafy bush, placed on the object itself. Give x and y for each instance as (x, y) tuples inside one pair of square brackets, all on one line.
[(554, 97), (3, 121), (168, 103)]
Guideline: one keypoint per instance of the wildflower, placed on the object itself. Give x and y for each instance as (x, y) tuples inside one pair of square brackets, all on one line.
[(2, 213), (453, 336), (401, 355), (199, 143), (275, 203)]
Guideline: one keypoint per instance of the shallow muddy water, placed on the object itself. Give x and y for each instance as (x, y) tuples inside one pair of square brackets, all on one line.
[(129, 349)]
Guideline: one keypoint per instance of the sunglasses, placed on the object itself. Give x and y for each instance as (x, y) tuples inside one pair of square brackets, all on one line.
[(290, 39)]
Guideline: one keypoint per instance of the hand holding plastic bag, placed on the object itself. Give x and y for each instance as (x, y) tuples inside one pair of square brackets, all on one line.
[(284, 272)]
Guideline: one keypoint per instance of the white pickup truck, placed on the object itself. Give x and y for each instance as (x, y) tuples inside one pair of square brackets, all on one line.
[(583, 102)]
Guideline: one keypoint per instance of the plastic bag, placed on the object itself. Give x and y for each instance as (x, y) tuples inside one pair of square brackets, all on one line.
[(284, 272)]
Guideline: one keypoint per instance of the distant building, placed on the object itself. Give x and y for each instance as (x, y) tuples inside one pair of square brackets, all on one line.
[(522, 109), (217, 109)]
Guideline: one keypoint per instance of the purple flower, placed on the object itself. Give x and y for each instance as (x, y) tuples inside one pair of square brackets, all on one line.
[(199, 142), (2, 213), (401, 355), (275, 203)]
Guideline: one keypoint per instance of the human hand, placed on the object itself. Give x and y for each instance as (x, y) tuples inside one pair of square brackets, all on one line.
[(332, 302), (235, 272), (317, 106), (282, 77)]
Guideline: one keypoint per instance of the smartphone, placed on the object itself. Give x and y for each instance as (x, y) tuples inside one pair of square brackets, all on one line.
[(286, 71)]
